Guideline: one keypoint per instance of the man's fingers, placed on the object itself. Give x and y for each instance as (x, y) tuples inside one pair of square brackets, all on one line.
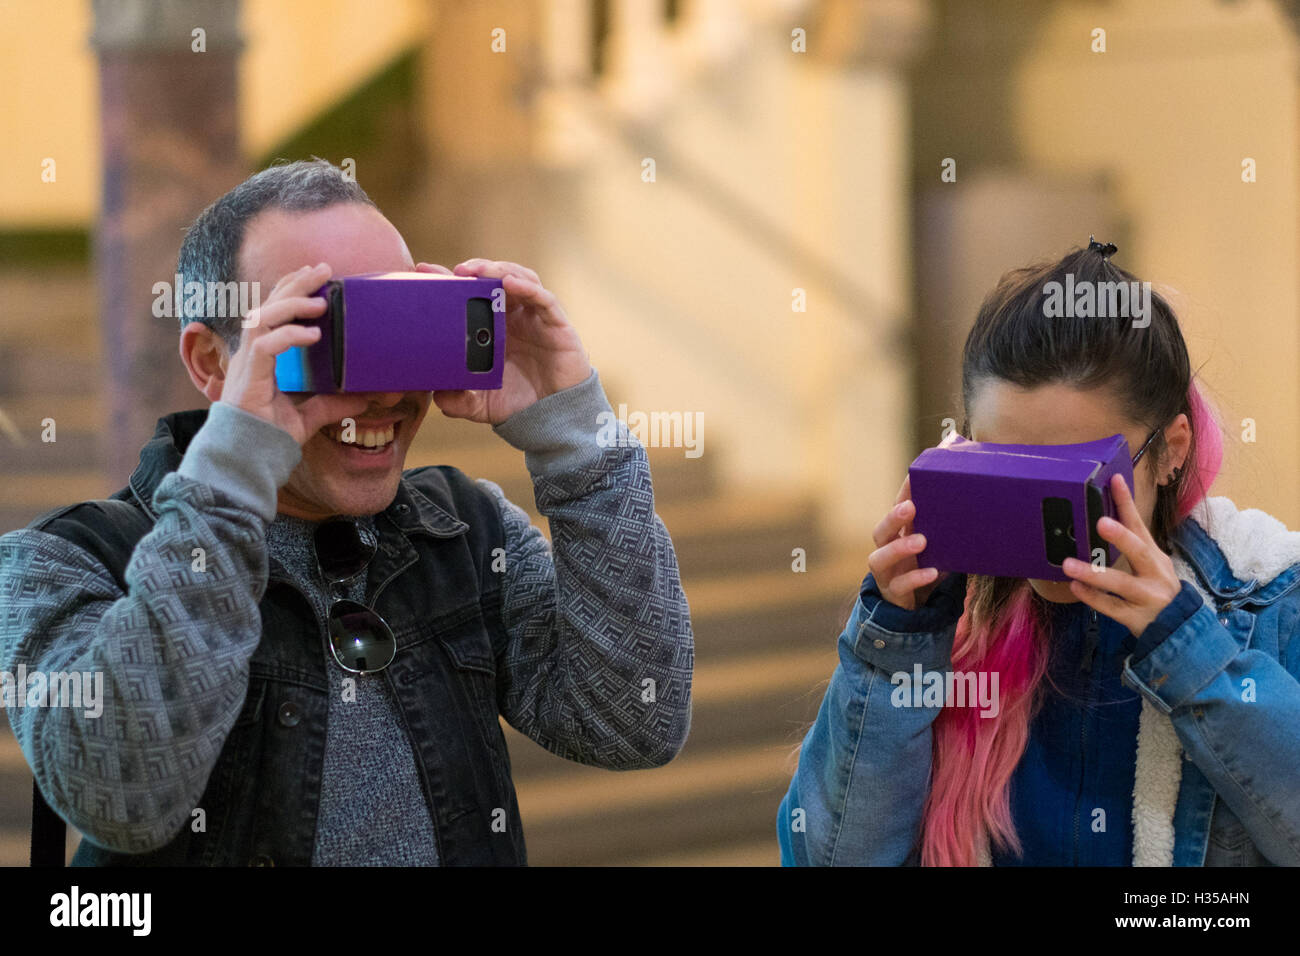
[(264, 350), (304, 274), (496, 269), (305, 280), (433, 267), (281, 311), (456, 403), (293, 285), (522, 271), (523, 290)]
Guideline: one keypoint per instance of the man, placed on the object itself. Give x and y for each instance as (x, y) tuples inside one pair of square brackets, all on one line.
[(220, 593)]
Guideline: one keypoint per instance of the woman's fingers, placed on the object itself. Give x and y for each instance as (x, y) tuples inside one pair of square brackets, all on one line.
[(1103, 603), (883, 560), (909, 583), (897, 521), (894, 561), (1103, 579), (904, 490)]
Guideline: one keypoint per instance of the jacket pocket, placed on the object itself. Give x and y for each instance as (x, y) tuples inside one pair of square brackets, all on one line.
[(469, 649), (1230, 843), (455, 673)]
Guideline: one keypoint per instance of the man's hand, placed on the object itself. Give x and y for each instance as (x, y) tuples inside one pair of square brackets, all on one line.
[(543, 352), (269, 330)]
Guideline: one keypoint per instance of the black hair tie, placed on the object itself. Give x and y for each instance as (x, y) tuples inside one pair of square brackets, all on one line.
[(1105, 249)]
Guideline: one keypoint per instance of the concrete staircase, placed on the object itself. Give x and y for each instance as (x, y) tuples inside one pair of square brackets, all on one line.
[(765, 635)]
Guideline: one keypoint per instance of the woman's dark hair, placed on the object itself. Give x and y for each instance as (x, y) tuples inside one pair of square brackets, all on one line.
[(1028, 334)]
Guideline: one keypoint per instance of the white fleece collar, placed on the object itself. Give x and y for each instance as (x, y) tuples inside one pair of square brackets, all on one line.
[(1257, 547)]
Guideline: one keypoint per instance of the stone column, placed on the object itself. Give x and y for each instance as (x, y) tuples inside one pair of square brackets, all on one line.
[(170, 139)]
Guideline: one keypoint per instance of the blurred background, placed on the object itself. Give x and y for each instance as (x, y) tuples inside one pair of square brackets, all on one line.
[(778, 216)]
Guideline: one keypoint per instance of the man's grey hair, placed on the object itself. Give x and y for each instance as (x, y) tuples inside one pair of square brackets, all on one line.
[(210, 250)]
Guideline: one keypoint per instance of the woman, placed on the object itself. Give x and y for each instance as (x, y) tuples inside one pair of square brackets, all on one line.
[(1148, 713)]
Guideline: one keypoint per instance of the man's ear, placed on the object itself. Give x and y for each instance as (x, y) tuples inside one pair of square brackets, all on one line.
[(206, 358)]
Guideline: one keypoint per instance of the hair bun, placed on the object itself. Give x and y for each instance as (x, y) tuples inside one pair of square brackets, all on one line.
[(1106, 249)]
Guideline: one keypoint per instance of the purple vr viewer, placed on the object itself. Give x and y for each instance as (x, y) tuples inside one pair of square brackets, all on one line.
[(400, 332), (1015, 510)]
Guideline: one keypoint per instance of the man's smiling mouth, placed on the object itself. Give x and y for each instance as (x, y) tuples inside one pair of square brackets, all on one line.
[(371, 439)]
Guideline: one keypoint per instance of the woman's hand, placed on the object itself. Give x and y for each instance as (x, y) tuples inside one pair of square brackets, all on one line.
[(1135, 600), (893, 563)]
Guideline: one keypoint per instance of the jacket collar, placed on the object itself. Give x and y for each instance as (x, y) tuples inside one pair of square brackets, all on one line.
[(412, 510), (1238, 553)]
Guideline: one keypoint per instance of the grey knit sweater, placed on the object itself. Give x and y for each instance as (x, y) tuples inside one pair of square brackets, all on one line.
[(372, 811), (587, 621)]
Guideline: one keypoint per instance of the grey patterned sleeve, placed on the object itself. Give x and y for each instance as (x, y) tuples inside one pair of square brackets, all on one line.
[(600, 651), (172, 652)]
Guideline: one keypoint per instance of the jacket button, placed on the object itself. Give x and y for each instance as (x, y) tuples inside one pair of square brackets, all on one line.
[(290, 714), (880, 645), (403, 509), (261, 860)]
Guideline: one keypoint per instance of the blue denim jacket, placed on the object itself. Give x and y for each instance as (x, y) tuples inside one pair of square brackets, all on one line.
[(1218, 767)]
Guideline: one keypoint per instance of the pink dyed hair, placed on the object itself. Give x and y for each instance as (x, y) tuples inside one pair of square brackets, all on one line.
[(974, 757)]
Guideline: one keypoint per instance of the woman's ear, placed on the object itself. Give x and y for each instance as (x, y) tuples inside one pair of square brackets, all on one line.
[(1178, 442)]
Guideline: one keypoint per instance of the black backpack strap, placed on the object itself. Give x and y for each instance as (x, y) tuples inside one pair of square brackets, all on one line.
[(109, 529), (49, 832)]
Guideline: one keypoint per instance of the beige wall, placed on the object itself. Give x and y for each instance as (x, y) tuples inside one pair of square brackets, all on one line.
[(48, 108), (1185, 91), (686, 309), (49, 92)]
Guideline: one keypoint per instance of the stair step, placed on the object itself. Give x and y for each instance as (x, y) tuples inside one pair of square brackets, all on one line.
[(578, 789), (51, 303), (735, 702), (32, 457), (51, 368), (75, 414), (762, 852), (591, 816), (41, 491)]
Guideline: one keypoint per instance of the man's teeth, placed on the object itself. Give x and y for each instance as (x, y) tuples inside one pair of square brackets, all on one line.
[(366, 437)]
